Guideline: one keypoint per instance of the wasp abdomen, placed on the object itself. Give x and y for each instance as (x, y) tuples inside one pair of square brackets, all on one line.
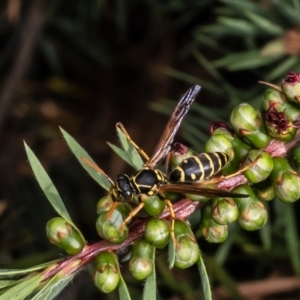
[(200, 167)]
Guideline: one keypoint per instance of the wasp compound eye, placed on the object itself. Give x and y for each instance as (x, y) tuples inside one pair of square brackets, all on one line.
[(127, 195)]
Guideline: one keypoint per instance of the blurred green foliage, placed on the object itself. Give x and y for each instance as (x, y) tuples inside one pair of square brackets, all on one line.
[(97, 62)]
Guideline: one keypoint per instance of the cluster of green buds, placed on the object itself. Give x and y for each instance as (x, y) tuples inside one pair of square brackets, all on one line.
[(258, 170), (260, 141)]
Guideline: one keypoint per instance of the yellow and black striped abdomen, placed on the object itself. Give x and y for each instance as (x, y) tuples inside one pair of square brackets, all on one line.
[(200, 167)]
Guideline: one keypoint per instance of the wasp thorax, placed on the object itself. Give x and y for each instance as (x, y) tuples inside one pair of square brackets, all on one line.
[(124, 188)]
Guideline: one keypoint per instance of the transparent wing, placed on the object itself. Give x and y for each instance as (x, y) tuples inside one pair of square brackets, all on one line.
[(196, 189), (166, 139)]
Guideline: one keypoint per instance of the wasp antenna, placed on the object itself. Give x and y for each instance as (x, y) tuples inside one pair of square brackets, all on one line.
[(122, 128), (98, 169)]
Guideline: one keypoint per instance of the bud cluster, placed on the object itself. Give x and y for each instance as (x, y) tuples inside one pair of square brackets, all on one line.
[(264, 137), (258, 169)]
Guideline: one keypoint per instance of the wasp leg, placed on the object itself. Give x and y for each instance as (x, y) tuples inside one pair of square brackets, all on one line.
[(222, 177), (134, 212), (172, 217), (139, 150), (111, 210), (98, 169), (168, 164)]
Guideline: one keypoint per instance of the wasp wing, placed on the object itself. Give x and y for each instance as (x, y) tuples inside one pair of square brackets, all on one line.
[(196, 189), (166, 139)]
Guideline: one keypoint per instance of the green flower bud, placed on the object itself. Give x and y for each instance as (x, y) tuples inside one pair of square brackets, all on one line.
[(124, 209), (172, 196), (63, 235), (279, 126), (215, 234), (106, 272), (296, 156), (187, 252), (253, 214), (219, 143), (261, 169), (291, 86), (181, 228), (247, 122), (180, 152), (211, 230), (224, 210), (241, 150), (141, 260), (286, 181), (157, 233), (277, 100), (104, 204), (112, 229), (265, 190), (223, 131), (154, 206)]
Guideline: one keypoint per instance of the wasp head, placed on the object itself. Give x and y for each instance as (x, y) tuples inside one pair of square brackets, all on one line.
[(123, 190)]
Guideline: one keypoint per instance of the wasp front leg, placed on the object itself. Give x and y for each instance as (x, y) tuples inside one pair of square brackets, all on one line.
[(139, 149)]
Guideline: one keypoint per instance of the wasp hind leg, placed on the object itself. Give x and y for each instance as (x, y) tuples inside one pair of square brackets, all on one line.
[(172, 221), (239, 172), (138, 149)]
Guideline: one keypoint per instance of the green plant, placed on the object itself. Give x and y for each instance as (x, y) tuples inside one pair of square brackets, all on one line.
[(260, 141)]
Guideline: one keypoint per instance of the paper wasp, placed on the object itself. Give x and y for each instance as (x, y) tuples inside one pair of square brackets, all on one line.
[(190, 176)]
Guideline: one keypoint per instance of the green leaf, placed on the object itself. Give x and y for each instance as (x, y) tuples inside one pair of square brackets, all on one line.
[(264, 24), (7, 283), (223, 251), (171, 254), (9, 273), (48, 187), (237, 26), (80, 153), (123, 290), (225, 279), (53, 287), (266, 232), (22, 289), (129, 154), (291, 235), (150, 284), (242, 5), (290, 63), (204, 279), (123, 138), (133, 155), (120, 152), (194, 80), (244, 60)]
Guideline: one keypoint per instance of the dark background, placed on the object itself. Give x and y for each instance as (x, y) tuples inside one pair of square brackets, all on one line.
[(84, 65)]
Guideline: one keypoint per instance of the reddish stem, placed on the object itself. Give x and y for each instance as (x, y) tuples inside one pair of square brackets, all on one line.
[(182, 209)]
